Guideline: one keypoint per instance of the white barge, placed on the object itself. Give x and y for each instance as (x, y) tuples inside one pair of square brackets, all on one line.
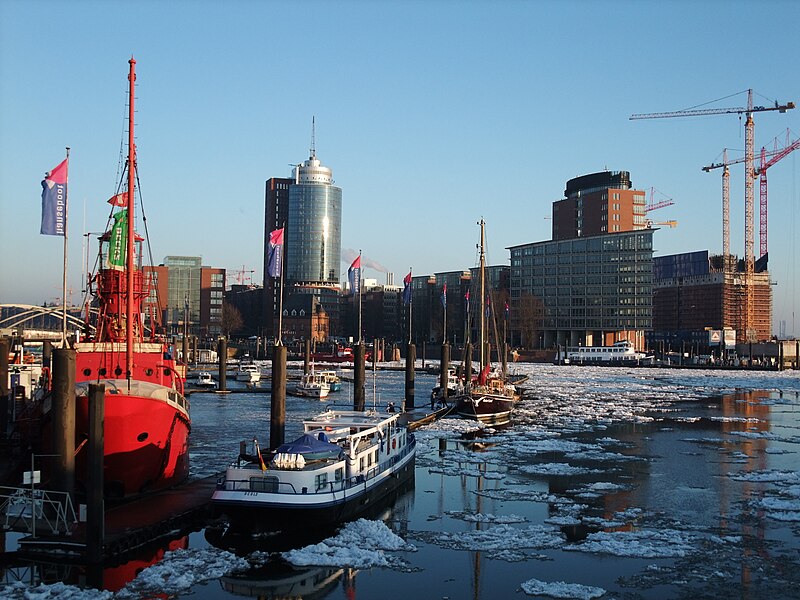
[(343, 463)]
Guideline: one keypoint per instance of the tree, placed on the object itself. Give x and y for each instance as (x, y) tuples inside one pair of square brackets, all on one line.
[(232, 320)]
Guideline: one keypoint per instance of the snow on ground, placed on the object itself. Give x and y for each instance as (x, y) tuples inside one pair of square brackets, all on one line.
[(559, 589), (61, 591), (360, 544)]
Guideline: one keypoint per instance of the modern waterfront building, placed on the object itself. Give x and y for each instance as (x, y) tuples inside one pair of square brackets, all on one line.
[(694, 292), (183, 290), (598, 203), (590, 291)]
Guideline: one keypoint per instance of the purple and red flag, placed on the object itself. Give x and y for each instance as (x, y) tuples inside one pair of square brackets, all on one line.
[(354, 275), (466, 298), (444, 296), (54, 201), (275, 253), (407, 289), (506, 310)]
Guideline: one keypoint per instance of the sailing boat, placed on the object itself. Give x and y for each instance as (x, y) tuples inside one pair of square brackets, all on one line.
[(488, 398), (147, 419)]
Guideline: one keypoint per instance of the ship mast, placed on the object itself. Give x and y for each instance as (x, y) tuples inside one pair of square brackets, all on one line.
[(484, 358), (129, 259)]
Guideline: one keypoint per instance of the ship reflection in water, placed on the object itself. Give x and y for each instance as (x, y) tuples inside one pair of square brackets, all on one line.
[(280, 580)]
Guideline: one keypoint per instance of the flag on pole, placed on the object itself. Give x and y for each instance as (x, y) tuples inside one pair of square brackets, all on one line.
[(444, 296), (407, 289), (506, 310), (54, 201), (466, 298), (120, 200), (354, 276), (487, 305), (118, 243), (260, 458), (275, 253)]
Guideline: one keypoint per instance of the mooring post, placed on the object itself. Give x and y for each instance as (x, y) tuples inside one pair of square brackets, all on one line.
[(185, 350), (95, 507), (63, 410), (359, 378), (4, 346), (277, 409), (306, 356), (222, 354), (443, 368), (411, 359)]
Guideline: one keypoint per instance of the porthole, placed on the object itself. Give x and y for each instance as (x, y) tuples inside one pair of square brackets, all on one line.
[(118, 371), (87, 372), (142, 436), (166, 373), (102, 372), (148, 372)]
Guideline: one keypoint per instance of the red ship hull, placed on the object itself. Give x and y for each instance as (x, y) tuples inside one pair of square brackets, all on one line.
[(146, 421)]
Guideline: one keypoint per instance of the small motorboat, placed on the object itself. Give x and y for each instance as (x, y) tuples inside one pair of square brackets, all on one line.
[(203, 379), (249, 373), (312, 385), (332, 379)]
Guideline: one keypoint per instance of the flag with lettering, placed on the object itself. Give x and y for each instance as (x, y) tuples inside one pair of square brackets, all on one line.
[(118, 242), (354, 276), (407, 289), (444, 296), (275, 253), (54, 201)]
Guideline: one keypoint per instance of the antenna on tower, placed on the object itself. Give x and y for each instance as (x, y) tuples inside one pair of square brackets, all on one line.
[(313, 137)]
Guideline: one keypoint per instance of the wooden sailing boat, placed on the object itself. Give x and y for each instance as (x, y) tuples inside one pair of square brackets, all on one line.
[(488, 397)]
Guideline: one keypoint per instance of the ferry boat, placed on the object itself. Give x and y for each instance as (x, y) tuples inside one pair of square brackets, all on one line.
[(344, 462), (248, 372), (146, 419), (622, 352)]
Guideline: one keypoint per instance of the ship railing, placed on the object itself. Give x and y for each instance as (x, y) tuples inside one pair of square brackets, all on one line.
[(23, 508)]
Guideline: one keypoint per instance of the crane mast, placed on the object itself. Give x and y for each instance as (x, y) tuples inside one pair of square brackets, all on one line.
[(749, 180)]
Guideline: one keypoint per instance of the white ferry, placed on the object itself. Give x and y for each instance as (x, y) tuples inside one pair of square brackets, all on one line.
[(622, 352), (343, 463)]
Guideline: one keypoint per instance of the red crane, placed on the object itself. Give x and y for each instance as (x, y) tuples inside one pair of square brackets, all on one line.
[(766, 163)]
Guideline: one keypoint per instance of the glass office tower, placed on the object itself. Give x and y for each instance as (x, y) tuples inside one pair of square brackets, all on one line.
[(314, 226)]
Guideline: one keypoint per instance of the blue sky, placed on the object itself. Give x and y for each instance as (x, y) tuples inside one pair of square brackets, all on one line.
[(431, 115)]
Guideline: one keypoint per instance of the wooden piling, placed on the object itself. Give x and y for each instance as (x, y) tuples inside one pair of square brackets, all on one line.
[(411, 359), (222, 354), (63, 411), (359, 378), (277, 409), (306, 356), (95, 507)]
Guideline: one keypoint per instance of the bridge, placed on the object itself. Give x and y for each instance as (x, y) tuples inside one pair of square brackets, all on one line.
[(38, 322)]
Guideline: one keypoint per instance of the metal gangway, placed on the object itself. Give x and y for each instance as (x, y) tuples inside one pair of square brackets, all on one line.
[(24, 508)]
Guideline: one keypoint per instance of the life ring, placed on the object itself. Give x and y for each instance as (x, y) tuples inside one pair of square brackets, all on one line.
[(394, 444)]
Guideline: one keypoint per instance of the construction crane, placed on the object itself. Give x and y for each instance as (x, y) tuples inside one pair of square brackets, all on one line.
[(766, 163), (653, 205), (671, 224), (749, 137), (242, 276)]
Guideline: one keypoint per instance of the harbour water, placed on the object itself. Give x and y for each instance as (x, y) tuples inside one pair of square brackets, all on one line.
[(611, 482)]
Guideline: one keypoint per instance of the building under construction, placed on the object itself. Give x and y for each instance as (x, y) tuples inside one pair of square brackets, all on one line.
[(695, 292)]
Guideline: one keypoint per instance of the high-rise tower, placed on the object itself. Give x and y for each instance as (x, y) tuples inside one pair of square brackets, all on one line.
[(314, 226)]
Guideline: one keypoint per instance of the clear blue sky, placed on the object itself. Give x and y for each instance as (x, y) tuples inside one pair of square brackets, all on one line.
[(431, 115)]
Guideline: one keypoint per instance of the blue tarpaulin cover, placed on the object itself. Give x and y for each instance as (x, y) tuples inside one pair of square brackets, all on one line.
[(309, 446)]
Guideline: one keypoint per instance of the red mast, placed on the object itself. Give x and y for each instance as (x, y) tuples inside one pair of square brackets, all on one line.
[(129, 259)]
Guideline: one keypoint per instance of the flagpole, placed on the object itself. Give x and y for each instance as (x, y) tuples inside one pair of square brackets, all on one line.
[(444, 320), (359, 297), (410, 302), (279, 337), (64, 274)]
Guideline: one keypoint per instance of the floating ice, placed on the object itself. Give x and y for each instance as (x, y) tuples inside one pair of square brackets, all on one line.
[(61, 591), (360, 544), (559, 589), (503, 541), (768, 476), (665, 543), (180, 569), (557, 469)]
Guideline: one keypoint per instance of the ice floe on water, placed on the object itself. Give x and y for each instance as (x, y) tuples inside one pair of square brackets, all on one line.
[(61, 591), (503, 541), (360, 544), (664, 543), (560, 589), (180, 569)]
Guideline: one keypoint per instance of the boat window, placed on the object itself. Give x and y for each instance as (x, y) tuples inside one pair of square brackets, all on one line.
[(321, 481), (339, 474), (361, 464), (264, 484)]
